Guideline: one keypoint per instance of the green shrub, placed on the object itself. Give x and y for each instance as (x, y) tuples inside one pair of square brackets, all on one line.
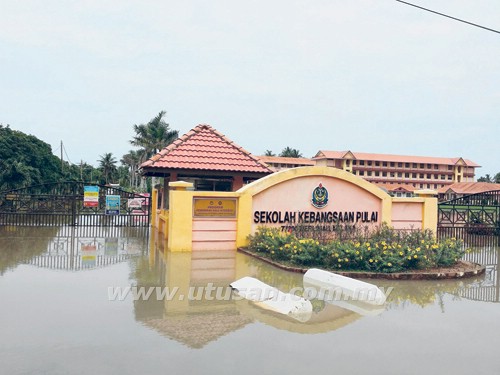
[(384, 250)]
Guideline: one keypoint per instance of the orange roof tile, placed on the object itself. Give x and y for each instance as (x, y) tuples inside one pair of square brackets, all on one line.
[(204, 148), (467, 188), (393, 158)]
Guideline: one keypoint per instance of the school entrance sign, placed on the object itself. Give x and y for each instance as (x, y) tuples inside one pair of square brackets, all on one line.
[(318, 196)]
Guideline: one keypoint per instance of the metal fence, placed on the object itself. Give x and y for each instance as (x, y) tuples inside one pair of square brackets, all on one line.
[(74, 204)]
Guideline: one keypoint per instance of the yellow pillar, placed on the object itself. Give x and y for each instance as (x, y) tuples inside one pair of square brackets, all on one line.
[(180, 219), (429, 209), (154, 208), (244, 221)]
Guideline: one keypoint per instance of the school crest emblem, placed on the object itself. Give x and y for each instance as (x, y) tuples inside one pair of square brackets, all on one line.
[(319, 196)]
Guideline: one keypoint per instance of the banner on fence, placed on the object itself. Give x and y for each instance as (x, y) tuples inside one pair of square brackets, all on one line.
[(91, 196), (112, 205)]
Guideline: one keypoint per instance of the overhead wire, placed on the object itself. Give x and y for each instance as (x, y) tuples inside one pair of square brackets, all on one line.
[(448, 16)]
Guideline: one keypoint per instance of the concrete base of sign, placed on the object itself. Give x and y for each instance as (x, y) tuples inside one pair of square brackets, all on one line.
[(461, 270)]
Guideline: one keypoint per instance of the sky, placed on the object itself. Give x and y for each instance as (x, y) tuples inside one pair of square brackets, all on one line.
[(367, 75)]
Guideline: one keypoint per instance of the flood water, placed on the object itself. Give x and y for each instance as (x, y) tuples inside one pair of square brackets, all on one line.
[(57, 315)]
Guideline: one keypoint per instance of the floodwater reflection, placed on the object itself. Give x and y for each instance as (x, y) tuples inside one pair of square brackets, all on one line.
[(56, 315), (69, 248), (182, 318)]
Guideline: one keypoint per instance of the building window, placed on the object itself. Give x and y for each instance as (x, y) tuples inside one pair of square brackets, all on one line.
[(429, 175), (421, 175), (377, 173), (392, 164), (369, 173), (414, 175), (407, 175), (384, 164), (361, 173), (369, 163), (354, 162), (400, 174), (422, 166), (361, 162), (407, 165), (384, 174), (400, 165), (450, 167), (393, 174), (436, 166), (429, 166), (414, 165), (377, 164)]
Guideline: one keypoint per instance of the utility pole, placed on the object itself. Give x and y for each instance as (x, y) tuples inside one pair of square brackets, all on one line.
[(61, 156)]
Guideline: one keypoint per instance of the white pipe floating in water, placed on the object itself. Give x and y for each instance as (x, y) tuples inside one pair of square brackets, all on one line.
[(347, 287), (271, 298)]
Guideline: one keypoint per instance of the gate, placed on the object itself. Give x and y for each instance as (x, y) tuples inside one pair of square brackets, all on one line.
[(67, 204), (474, 214)]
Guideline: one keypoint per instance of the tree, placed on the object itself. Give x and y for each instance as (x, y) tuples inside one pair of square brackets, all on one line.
[(107, 165), (497, 178), (16, 174), (131, 161), (486, 178), (153, 136), (25, 160), (269, 153), (288, 152)]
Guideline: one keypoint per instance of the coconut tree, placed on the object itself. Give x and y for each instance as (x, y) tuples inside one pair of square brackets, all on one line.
[(153, 136), (289, 152), (107, 165)]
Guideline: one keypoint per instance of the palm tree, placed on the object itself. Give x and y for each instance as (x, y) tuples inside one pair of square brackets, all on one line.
[(107, 164), (153, 136), (132, 160), (290, 153), (486, 178), (269, 153)]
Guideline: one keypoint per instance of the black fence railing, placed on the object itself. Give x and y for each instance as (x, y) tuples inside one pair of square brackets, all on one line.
[(476, 213), (71, 204)]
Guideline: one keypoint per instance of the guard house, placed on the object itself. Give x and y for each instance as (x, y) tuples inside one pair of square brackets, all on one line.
[(207, 159)]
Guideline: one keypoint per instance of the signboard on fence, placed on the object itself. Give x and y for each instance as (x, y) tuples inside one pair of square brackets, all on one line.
[(91, 196), (213, 207), (135, 202), (112, 205)]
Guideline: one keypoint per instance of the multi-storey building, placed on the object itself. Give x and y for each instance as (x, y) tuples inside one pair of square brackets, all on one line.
[(420, 172)]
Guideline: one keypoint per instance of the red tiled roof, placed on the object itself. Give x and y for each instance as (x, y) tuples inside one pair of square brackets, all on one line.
[(204, 148), (466, 188), (393, 158)]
